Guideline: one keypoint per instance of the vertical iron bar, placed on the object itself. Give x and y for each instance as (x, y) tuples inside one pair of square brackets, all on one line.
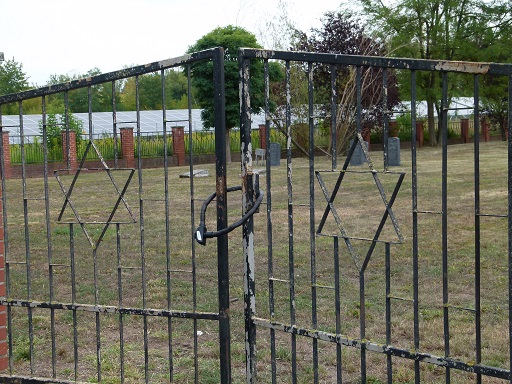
[(120, 300), (337, 306), (142, 230), (312, 229), (334, 112), (444, 209), (362, 312), (510, 221), (73, 297), (221, 195), (389, 361), (114, 122), (270, 257), (95, 250), (359, 74), (97, 315), (476, 125), (291, 269), (362, 325), (27, 237), (167, 223), (48, 234), (385, 116), (249, 283), (415, 251), (192, 218)]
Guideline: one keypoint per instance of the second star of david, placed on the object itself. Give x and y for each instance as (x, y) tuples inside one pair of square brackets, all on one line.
[(388, 212)]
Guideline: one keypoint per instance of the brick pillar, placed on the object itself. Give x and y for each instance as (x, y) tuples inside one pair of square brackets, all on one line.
[(127, 146), (4, 358), (178, 144), (419, 133), (263, 136), (485, 130), (7, 155), (72, 149)]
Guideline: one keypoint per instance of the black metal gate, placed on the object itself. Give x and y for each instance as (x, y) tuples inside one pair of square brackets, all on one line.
[(367, 267), (103, 281), (385, 266)]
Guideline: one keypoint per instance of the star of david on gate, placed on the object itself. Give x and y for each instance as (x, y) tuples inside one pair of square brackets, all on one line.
[(331, 209), (120, 200)]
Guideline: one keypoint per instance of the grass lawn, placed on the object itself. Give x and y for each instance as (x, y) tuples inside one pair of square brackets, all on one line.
[(152, 270)]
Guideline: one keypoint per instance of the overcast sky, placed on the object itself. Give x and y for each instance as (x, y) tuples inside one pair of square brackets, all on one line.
[(73, 36)]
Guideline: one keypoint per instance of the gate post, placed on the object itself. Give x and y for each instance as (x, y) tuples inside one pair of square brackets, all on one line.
[(248, 227), (221, 197)]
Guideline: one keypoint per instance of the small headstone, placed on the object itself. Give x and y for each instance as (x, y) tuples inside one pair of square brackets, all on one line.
[(197, 173), (358, 157), (275, 154), (393, 151)]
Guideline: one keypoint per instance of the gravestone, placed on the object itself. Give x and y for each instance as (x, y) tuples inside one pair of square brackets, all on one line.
[(275, 154), (358, 157), (393, 151)]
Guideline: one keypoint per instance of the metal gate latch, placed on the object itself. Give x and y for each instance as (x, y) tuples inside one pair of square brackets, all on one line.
[(202, 234)]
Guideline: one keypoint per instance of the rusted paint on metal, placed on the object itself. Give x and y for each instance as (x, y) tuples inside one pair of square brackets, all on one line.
[(382, 348), (462, 66), (111, 309)]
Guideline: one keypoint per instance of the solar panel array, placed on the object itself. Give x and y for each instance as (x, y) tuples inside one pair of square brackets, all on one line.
[(102, 122)]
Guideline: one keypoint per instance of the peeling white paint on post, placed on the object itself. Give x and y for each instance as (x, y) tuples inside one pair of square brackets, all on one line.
[(249, 279)]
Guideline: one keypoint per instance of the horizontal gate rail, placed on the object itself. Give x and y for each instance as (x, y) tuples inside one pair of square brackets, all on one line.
[(110, 309), (386, 349), (107, 77), (382, 62)]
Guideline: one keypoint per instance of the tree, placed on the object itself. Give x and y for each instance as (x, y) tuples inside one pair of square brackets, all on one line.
[(231, 38), (78, 100), (436, 29), (494, 89), (150, 91), (343, 34), (12, 80)]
